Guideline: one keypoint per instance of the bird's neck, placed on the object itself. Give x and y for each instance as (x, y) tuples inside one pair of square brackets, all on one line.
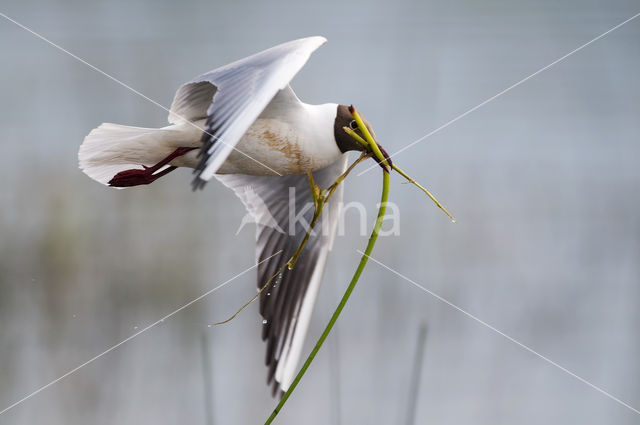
[(317, 128)]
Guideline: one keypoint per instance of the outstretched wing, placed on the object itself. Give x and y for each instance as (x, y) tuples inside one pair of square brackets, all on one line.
[(233, 96), (282, 207)]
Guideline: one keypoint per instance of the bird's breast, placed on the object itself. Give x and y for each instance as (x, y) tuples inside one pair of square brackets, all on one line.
[(272, 146)]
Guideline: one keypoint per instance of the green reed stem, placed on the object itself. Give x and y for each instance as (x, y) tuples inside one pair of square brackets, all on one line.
[(345, 297), (373, 149)]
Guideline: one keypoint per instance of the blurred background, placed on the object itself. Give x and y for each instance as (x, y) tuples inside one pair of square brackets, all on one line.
[(543, 181)]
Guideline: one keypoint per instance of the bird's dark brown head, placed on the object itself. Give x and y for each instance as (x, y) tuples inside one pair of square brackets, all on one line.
[(343, 140)]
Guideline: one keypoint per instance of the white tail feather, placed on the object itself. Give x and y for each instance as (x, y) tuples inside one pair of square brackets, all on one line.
[(112, 148)]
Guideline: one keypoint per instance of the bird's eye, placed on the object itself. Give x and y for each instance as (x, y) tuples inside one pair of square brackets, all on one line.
[(353, 124)]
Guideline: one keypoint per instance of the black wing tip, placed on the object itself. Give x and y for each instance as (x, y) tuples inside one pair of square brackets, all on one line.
[(198, 184), (207, 140), (276, 391)]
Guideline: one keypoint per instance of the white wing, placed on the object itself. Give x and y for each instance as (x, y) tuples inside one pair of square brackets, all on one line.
[(287, 304), (233, 96)]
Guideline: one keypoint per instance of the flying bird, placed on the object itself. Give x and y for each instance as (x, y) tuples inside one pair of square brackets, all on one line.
[(243, 124)]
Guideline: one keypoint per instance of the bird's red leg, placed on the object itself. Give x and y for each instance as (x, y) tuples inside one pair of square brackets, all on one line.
[(136, 177)]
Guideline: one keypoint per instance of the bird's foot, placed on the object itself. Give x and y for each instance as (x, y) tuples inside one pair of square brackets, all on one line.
[(147, 175)]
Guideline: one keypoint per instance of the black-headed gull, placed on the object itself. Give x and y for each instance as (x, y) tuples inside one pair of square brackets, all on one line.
[(243, 124)]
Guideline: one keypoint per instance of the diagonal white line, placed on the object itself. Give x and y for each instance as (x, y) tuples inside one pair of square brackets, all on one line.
[(480, 105), (91, 360), (532, 351), (46, 40)]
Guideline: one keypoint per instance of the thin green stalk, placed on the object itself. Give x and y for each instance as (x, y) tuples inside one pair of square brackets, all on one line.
[(402, 173), (319, 200), (373, 148), (373, 145), (319, 205), (410, 180), (252, 298), (345, 297)]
